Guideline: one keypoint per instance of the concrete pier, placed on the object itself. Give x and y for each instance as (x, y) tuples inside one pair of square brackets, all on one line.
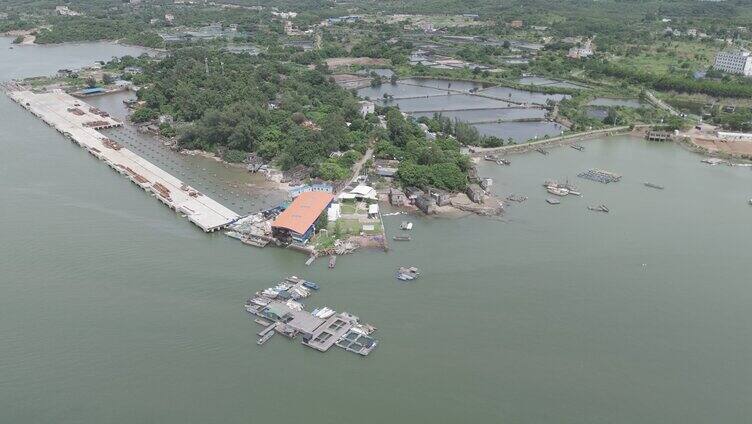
[(80, 122)]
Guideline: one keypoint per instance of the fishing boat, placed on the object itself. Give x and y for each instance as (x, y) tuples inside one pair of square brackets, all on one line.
[(311, 285), (265, 338), (407, 273), (577, 147), (310, 260), (406, 225), (502, 161), (541, 151), (559, 191), (600, 208), (401, 238), (651, 185), (490, 158), (552, 201), (332, 261)]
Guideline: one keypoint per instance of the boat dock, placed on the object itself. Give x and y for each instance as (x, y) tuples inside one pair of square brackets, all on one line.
[(278, 309), (80, 123)]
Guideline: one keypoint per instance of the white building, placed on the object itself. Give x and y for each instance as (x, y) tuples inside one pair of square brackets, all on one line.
[(734, 62), (366, 107)]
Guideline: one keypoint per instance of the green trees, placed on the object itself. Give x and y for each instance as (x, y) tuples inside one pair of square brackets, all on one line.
[(282, 111)]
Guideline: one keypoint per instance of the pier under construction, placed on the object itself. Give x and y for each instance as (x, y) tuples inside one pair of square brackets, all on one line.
[(81, 123)]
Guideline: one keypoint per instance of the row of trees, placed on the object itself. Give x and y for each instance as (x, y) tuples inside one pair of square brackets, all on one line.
[(671, 82), (423, 163)]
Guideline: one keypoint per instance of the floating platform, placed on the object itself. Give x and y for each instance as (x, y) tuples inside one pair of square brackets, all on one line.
[(320, 329), (600, 176), (80, 122)]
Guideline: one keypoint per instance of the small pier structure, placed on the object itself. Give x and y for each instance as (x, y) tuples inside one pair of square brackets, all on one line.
[(279, 309)]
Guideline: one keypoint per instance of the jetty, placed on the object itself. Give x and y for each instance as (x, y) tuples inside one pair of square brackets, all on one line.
[(278, 308), (81, 123)]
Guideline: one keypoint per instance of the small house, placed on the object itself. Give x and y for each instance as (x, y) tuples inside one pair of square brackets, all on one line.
[(397, 197), (412, 193), (441, 197), (385, 171), (426, 203), (475, 193)]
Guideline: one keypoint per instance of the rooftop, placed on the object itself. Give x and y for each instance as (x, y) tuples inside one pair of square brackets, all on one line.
[(303, 211)]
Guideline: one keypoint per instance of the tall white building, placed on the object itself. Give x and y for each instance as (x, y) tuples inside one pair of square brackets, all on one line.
[(734, 62)]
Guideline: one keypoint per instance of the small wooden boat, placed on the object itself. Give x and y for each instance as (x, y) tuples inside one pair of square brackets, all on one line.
[(577, 147), (265, 338), (552, 201), (656, 186), (332, 261), (600, 208), (541, 151), (401, 238)]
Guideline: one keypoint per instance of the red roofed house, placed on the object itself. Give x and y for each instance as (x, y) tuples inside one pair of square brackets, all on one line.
[(297, 221)]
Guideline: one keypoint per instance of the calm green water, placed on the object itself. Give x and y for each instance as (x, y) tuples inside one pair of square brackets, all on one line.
[(115, 310)]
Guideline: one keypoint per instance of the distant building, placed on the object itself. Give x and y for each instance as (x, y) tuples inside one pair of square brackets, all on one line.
[(426, 203), (64, 11), (734, 62), (365, 107), (516, 24), (734, 136), (361, 193), (397, 197), (587, 49), (297, 191), (385, 171), (441, 197), (412, 193)]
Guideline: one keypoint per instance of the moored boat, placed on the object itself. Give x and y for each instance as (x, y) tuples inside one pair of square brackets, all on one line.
[(265, 338), (401, 238), (559, 191), (311, 285), (332, 261), (553, 201), (651, 185)]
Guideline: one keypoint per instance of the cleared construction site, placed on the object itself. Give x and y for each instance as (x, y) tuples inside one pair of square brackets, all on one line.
[(81, 123)]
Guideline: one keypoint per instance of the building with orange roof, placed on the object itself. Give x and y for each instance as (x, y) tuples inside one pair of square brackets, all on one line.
[(297, 222)]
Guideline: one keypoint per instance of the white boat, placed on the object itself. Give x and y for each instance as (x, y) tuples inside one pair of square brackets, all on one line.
[(406, 225), (559, 191), (325, 313)]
